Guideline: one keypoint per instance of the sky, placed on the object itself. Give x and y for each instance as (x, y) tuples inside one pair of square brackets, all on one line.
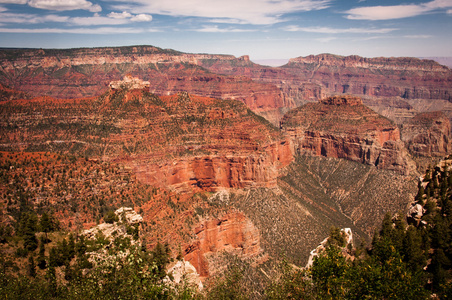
[(262, 29)]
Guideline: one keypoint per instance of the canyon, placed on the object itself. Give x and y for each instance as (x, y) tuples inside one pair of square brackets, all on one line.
[(184, 146), (342, 127), (216, 152), (268, 91)]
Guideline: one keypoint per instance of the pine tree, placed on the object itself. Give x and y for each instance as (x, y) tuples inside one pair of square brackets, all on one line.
[(31, 268), (41, 256)]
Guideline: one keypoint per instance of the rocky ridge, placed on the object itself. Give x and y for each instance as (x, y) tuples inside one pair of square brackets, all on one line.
[(184, 142), (233, 233), (268, 91), (60, 73), (342, 127), (427, 134)]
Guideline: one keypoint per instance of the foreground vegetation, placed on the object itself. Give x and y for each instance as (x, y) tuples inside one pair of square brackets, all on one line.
[(39, 259)]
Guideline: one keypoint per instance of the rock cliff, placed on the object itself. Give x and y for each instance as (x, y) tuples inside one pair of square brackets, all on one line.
[(342, 127), (233, 232), (270, 92), (427, 134), (405, 77), (75, 73), (181, 142)]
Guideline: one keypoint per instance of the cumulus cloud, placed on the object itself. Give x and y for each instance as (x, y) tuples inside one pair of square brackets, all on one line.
[(396, 11), (123, 15), (257, 12), (30, 18), (330, 30), (99, 30), (61, 5), (216, 29), (141, 18), (133, 18), (14, 1)]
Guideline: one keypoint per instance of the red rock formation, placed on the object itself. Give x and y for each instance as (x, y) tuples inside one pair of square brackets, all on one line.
[(342, 127), (270, 92), (428, 134), (76, 73), (213, 172), (405, 77), (184, 143), (11, 94), (312, 78), (233, 232)]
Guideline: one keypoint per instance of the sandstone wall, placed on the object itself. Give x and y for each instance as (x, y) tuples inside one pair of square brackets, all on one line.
[(428, 134), (233, 232)]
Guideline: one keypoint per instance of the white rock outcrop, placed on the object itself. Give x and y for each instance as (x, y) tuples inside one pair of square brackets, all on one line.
[(184, 270), (126, 216), (320, 248), (130, 83)]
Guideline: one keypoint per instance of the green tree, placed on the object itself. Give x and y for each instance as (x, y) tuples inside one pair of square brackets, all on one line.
[(31, 268), (328, 274), (41, 256)]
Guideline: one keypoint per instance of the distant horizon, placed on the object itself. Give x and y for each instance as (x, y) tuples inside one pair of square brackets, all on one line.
[(271, 62)]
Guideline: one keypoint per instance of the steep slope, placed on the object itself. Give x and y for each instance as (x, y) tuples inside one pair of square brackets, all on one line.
[(343, 127), (75, 73), (268, 91), (427, 134), (409, 78), (181, 141), (166, 156)]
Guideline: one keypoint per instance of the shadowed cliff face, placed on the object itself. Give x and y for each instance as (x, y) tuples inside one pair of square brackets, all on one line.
[(342, 127)]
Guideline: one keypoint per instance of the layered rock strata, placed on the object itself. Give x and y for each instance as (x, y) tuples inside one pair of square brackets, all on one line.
[(270, 92), (181, 142), (85, 72), (428, 134), (342, 127), (233, 232)]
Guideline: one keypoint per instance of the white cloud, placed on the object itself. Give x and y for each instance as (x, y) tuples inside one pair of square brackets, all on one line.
[(331, 30), (396, 11), (384, 12), (123, 15), (227, 21), (241, 11), (97, 20), (417, 36), (141, 18), (61, 5), (438, 4), (449, 11), (30, 18), (14, 1), (2, 9), (100, 30), (216, 29), (133, 18), (326, 40)]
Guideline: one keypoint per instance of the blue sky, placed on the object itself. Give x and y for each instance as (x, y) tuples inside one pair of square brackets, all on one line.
[(263, 29)]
